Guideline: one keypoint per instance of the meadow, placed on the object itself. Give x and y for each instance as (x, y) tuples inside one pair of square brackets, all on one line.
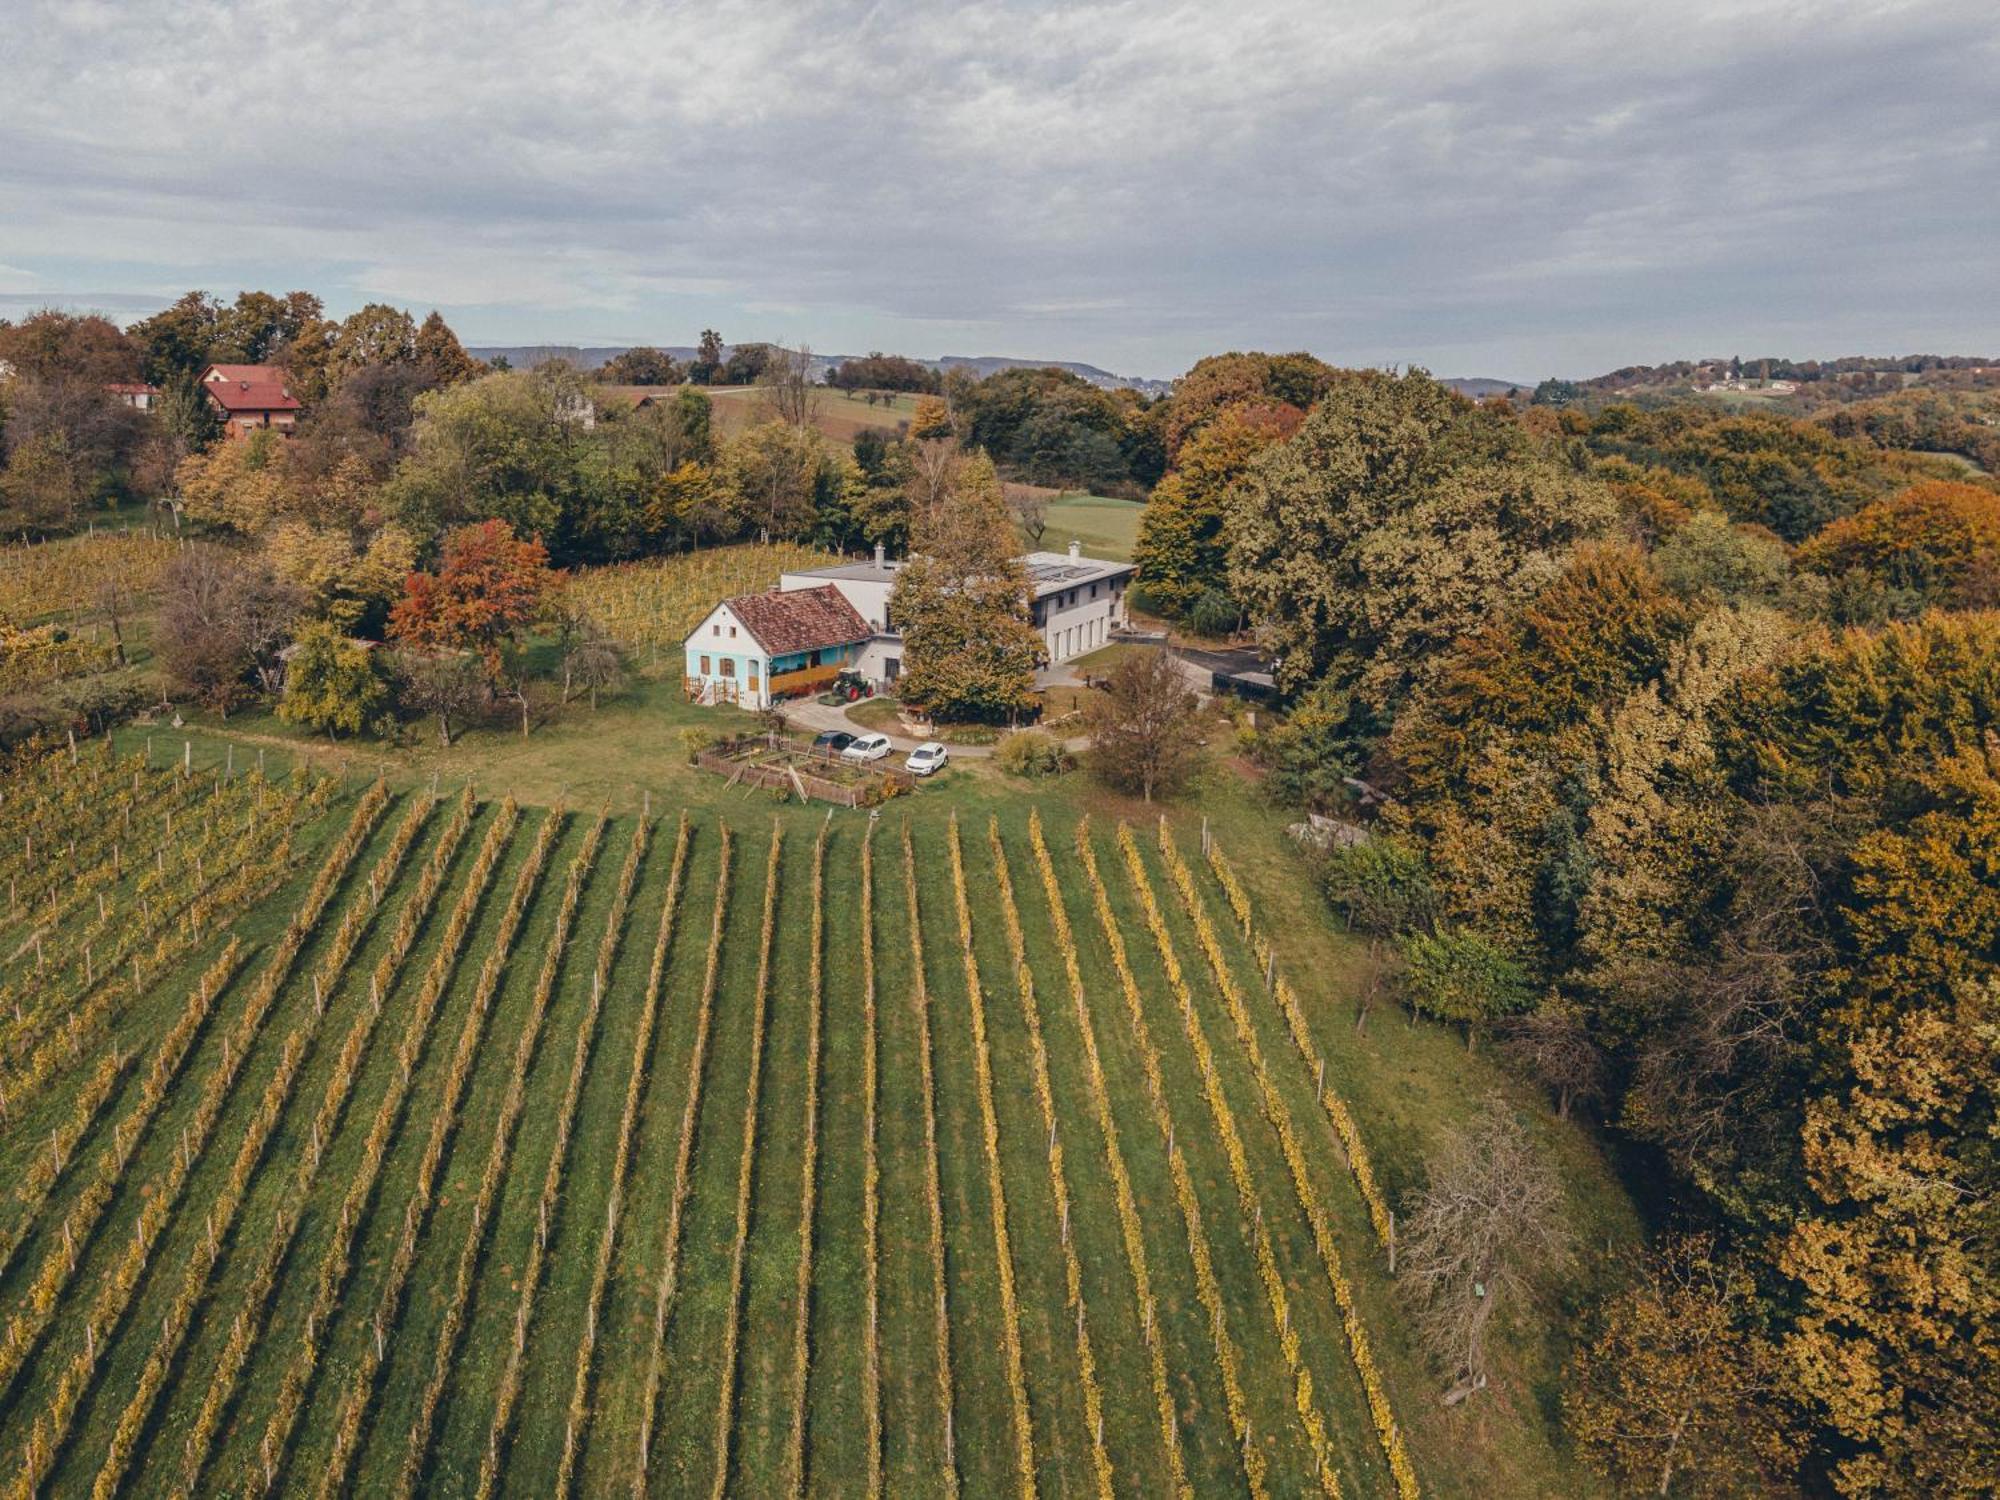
[(466, 1147)]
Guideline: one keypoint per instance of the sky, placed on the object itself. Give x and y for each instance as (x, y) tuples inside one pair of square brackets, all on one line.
[(1512, 189)]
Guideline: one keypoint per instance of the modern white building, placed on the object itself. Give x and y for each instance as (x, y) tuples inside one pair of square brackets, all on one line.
[(1079, 602)]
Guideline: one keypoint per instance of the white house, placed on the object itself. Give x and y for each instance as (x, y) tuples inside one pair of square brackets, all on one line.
[(758, 646), (1078, 603)]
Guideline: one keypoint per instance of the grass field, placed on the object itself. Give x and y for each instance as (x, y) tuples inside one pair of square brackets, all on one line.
[(841, 415), (543, 1150), (1105, 527)]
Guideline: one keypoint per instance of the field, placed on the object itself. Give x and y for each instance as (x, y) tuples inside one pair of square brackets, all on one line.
[(497, 1149), (1106, 527), (840, 415), (650, 607)]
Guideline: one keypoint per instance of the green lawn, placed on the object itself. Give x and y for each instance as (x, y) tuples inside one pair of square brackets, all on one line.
[(1104, 526)]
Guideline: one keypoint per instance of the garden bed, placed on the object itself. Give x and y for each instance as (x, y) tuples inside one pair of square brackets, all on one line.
[(819, 775)]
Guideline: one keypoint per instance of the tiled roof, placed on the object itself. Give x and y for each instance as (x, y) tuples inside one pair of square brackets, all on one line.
[(248, 388), (799, 619)]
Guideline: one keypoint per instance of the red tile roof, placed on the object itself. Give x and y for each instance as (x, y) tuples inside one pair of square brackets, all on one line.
[(791, 620), (248, 388)]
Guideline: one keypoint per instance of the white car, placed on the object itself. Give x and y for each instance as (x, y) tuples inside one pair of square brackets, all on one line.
[(926, 758), (868, 747)]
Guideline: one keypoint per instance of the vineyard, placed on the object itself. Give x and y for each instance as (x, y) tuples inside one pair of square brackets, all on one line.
[(373, 1142), (649, 607), (42, 580)]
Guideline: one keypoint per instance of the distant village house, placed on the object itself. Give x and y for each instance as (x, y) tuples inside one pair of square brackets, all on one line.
[(251, 398)]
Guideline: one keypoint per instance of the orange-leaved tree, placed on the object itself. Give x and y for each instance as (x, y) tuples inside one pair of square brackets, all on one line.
[(489, 586)]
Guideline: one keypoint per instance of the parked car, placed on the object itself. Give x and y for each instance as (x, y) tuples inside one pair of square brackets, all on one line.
[(867, 747), (926, 758), (832, 741)]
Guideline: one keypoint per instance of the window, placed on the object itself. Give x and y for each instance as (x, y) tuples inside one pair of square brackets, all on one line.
[(1093, 591), (704, 666), (728, 666), (717, 630), (732, 632), (753, 677)]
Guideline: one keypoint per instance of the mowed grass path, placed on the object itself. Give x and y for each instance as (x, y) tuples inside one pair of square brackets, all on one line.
[(461, 1377)]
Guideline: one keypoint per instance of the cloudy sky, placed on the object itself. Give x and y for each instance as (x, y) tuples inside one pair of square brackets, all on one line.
[(1510, 189)]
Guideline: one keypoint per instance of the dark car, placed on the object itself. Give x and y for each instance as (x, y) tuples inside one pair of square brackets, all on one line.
[(832, 742)]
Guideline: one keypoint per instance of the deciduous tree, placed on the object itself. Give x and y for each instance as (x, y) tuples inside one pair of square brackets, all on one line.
[(1142, 726)]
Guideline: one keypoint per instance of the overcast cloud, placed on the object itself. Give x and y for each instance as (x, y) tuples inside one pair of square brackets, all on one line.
[(1485, 189)]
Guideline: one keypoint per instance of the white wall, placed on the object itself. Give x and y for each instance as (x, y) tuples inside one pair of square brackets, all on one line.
[(1072, 623)]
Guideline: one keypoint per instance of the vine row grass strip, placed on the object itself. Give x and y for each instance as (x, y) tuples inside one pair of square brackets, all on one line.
[(248, 1325), (746, 1174), (1031, 1016), (548, 1210), (577, 1430), (808, 1169), (670, 1265), (1228, 1361), (498, 1157), (416, 1214), (933, 1193), (1114, 1161)]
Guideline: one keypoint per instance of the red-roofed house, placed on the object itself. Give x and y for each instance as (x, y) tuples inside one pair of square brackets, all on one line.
[(757, 647), (251, 397)]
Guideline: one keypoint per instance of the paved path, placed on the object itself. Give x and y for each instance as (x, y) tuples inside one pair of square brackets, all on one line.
[(817, 717)]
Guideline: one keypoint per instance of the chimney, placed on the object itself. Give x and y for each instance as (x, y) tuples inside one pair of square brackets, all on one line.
[(878, 554), (1075, 550)]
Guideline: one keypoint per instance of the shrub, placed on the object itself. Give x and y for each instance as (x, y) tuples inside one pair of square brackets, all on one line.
[(1032, 753), (1214, 613)]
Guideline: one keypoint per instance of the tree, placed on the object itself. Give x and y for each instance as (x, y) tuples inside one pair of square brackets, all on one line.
[(223, 620), (1935, 543), (442, 685), (707, 364), (1030, 509), (1141, 726), (782, 475), (488, 588), (786, 385), (1485, 1228), (1454, 974), (642, 365), (1397, 520), (440, 355), (1679, 1391), (969, 651), (1552, 1044), (332, 682)]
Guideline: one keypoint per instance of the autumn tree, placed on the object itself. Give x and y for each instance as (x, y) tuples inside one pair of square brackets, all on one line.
[(962, 605), (1680, 1391), (643, 365), (1482, 1233), (1935, 543), (488, 588), (223, 620), (332, 683), (439, 355), (1183, 551), (1395, 521), (1142, 726)]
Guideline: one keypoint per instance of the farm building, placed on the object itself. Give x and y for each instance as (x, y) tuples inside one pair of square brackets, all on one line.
[(1079, 602), (755, 647)]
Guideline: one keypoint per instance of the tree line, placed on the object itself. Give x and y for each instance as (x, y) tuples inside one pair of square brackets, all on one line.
[(1669, 743)]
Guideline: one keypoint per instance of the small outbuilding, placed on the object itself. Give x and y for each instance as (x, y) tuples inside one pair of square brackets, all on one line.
[(756, 647)]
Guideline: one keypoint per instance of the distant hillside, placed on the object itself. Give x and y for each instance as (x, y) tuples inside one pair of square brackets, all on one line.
[(1479, 387), (591, 356)]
